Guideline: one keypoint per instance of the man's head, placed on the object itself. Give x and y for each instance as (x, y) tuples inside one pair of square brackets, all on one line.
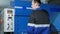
[(35, 3)]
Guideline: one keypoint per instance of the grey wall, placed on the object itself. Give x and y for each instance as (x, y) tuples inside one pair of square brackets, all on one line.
[(4, 3)]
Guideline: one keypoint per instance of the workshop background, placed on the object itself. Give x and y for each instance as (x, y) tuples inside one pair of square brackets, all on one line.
[(23, 10)]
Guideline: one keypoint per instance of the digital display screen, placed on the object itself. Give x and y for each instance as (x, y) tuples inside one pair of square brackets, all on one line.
[(9, 11)]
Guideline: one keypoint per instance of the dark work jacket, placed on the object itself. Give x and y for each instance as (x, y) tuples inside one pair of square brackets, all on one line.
[(39, 17)]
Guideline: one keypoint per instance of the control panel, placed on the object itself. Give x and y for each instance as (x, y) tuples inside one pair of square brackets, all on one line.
[(8, 20)]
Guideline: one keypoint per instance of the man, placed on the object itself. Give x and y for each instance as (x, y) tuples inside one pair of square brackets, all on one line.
[(39, 22)]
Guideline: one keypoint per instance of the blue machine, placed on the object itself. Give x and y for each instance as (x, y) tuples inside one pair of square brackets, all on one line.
[(21, 16), (23, 11)]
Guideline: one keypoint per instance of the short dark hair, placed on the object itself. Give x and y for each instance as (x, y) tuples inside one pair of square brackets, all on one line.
[(37, 1)]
